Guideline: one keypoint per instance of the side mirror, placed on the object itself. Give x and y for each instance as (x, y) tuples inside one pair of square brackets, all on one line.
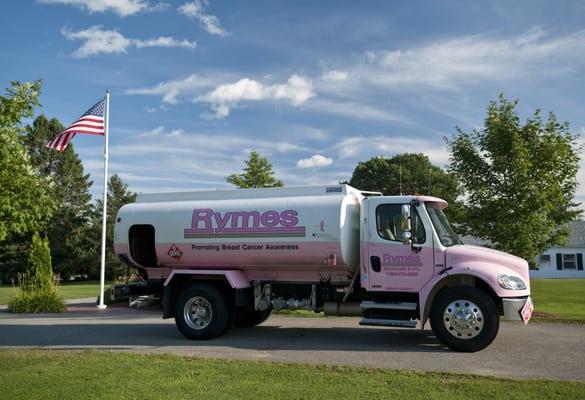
[(406, 227)]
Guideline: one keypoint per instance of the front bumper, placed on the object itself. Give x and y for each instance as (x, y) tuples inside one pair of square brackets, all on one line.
[(518, 308)]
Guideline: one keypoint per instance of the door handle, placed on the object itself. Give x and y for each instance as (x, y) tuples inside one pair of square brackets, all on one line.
[(376, 264)]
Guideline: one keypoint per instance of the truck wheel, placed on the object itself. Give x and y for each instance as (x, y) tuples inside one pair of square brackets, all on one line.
[(464, 318), (201, 312), (246, 318)]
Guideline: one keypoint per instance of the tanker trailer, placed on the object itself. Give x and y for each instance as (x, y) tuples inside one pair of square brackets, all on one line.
[(230, 257)]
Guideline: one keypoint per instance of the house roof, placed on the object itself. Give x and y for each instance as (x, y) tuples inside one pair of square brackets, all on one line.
[(577, 234)]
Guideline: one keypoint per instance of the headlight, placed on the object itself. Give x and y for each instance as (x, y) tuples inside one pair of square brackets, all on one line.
[(511, 282)]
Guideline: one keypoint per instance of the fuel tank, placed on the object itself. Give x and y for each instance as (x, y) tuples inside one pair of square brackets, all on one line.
[(309, 227)]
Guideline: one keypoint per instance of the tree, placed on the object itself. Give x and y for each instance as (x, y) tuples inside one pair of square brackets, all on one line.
[(37, 291), (257, 174), (519, 179), (69, 225), (408, 174), (39, 263), (25, 201), (118, 195)]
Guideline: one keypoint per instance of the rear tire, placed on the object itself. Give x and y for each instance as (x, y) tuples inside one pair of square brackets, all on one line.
[(201, 312), (464, 318), (249, 318)]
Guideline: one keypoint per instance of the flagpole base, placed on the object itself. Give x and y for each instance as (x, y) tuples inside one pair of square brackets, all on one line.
[(102, 306)]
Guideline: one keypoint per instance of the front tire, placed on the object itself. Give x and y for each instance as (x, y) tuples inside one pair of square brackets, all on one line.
[(201, 312), (464, 318)]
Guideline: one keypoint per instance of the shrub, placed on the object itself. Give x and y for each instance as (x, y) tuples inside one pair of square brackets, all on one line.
[(37, 301), (38, 292)]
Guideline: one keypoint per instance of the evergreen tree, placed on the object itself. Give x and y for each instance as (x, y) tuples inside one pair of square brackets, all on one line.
[(39, 264), (257, 174), (68, 228), (118, 195)]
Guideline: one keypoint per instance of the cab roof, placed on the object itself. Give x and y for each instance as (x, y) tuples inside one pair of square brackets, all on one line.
[(425, 199)]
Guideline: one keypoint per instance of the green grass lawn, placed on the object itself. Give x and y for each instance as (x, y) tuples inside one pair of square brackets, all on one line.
[(29, 374), (559, 299), (73, 290)]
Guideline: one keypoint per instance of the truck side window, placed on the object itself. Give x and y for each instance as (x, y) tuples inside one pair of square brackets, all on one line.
[(388, 224)]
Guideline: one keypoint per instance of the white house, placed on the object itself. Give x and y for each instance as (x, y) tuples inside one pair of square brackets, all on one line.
[(566, 261)]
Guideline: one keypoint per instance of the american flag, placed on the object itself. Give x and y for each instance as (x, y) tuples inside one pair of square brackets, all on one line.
[(90, 123)]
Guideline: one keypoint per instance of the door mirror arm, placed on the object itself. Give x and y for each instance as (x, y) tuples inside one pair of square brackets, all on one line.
[(406, 225), (406, 222)]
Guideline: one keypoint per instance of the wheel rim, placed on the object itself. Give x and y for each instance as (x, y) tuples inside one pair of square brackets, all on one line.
[(198, 312), (463, 319)]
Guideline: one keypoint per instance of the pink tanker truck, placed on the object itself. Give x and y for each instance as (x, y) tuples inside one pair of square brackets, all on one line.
[(223, 258)]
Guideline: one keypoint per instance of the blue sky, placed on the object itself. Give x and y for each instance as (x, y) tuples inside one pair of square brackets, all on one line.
[(314, 86)]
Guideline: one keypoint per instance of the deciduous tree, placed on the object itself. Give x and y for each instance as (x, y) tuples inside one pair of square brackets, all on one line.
[(25, 201), (408, 174), (519, 179)]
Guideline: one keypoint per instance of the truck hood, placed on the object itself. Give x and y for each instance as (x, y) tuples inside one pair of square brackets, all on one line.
[(466, 255)]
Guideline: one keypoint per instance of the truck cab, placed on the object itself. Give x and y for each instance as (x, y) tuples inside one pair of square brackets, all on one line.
[(408, 246)]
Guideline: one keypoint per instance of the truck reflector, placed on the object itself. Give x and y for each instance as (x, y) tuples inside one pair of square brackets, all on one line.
[(527, 310)]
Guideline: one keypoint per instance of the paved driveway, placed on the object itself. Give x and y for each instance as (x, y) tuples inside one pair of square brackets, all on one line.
[(553, 351)]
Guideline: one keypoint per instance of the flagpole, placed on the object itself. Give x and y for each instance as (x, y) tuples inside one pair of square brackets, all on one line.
[(101, 305)]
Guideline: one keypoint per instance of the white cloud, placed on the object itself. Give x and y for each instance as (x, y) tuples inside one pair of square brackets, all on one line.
[(450, 64), (286, 147), (153, 132), (219, 111), (172, 91), (176, 132), (368, 146), (123, 8), (210, 144), (335, 75), (352, 109), (196, 10), (244, 89), (315, 161), (297, 90), (164, 41), (161, 131), (97, 40)]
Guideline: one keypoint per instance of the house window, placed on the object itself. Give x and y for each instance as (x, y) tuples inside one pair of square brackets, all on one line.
[(569, 261), (545, 260)]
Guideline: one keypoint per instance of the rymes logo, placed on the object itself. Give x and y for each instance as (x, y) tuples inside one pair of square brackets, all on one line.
[(175, 252), (389, 260), (206, 223)]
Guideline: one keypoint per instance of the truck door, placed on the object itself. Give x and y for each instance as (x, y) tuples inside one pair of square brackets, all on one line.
[(390, 264)]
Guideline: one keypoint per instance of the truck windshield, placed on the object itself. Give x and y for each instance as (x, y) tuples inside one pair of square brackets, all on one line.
[(444, 230)]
